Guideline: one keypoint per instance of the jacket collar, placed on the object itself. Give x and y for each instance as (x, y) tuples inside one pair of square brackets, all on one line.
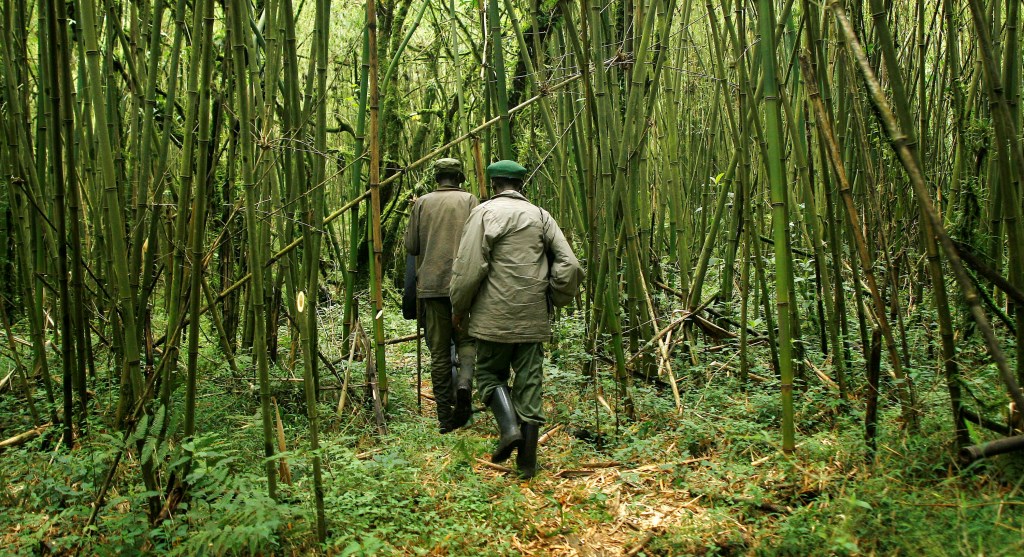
[(512, 194), (448, 188)]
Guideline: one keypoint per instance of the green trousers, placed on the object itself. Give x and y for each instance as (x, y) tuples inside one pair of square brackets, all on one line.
[(440, 334), (494, 360)]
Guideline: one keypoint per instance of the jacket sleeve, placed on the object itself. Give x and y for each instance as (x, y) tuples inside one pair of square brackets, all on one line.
[(565, 273), (412, 233), (471, 263)]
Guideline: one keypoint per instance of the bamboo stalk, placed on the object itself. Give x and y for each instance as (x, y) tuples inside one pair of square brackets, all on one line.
[(237, 17), (198, 232), (780, 220), (496, 76), (825, 125), (58, 81), (376, 269), (885, 115)]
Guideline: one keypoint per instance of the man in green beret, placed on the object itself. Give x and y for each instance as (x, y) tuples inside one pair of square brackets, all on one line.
[(433, 237), (513, 265)]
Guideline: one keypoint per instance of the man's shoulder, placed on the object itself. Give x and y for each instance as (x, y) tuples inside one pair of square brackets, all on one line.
[(516, 204), (510, 199), (450, 190), (446, 195), (504, 211)]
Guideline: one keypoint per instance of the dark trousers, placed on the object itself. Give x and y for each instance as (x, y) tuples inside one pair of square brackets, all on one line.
[(495, 360), (440, 334)]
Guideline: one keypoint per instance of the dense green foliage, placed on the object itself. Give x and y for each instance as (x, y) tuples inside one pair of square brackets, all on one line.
[(800, 222), (709, 481)]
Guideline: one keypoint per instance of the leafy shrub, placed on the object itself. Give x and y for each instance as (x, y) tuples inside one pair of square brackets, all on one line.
[(234, 514)]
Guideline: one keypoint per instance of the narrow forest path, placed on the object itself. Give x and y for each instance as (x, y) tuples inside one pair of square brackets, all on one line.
[(639, 502)]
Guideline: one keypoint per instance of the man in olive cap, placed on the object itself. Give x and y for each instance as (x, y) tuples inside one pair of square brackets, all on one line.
[(513, 264), (433, 237)]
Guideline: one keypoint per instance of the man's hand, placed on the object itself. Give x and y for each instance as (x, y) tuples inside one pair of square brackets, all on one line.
[(457, 321)]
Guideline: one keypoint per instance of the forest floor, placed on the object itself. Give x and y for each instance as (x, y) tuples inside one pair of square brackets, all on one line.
[(707, 480)]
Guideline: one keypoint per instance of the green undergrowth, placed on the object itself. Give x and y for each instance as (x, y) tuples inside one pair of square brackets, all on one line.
[(708, 480)]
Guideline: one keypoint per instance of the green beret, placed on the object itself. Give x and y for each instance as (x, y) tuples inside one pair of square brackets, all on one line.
[(506, 169), (447, 166)]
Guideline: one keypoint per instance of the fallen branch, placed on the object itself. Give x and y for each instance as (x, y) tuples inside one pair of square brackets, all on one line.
[(22, 438), (712, 329), (548, 434), (797, 251), (174, 498), (761, 505), (639, 546), (665, 364), (668, 329), (400, 340), (574, 473), (494, 466), (822, 375), (709, 326), (368, 454), (718, 315), (587, 469), (348, 369), (604, 464), (986, 422), (992, 448), (969, 256), (378, 404)]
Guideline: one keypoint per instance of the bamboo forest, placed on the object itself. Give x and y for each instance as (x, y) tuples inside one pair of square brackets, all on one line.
[(799, 328)]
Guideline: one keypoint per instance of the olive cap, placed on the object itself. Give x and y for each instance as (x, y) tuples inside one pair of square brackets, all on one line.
[(447, 166), (506, 169)]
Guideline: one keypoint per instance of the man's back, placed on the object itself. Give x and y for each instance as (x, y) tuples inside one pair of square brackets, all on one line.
[(435, 226), (503, 272), (513, 266)]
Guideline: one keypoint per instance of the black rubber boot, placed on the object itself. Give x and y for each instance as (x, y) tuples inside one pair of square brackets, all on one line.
[(526, 458), (508, 424), (446, 424), (463, 395)]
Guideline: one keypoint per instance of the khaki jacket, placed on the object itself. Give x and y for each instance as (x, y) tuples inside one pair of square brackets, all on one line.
[(433, 237), (513, 262)]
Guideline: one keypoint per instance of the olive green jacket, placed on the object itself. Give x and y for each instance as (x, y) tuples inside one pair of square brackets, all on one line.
[(513, 263), (433, 236)]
